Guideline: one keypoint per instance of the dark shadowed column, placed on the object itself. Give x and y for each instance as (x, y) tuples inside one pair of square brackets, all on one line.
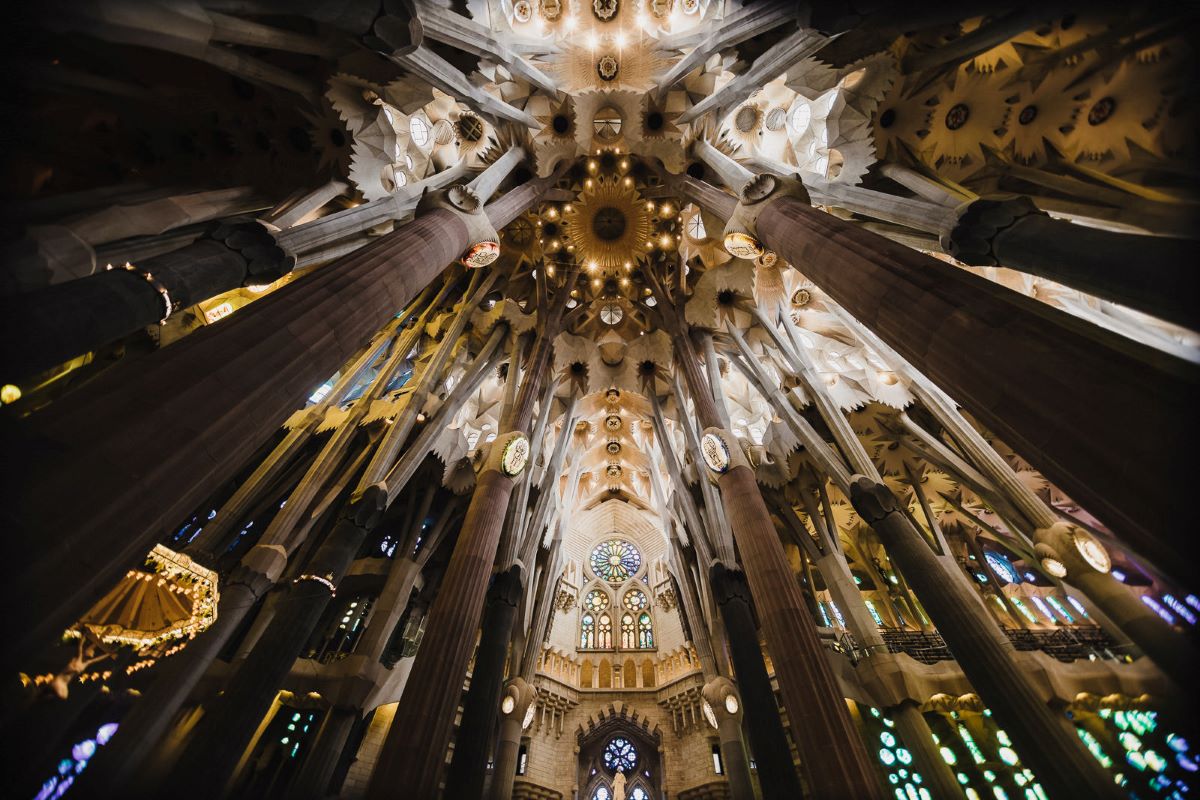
[(228, 726), (1088, 408), (468, 769), (1046, 739), (1149, 273), (776, 772), (143, 445), (415, 748), (46, 327)]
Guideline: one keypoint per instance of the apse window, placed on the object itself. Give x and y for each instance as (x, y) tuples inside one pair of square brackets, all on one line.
[(615, 560), (620, 754)]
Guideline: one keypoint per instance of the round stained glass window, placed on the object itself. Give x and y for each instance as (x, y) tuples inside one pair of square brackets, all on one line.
[(615, 560), (620, 755), (596, 601), (635, 600)]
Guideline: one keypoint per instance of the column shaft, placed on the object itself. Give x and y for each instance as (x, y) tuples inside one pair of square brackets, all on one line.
[(915, 733), (508, 748), (1148, 273), (312, 783), (415, 748), (776, 772), (229, 725), (50, 325), (831, 751), (152, 438), (1016, 364), (1044, 738), (737, 764), (468, 769)]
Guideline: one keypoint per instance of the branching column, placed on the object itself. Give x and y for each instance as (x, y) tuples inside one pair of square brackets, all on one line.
[(48, 326), (776, 774), (469, 766), (414, 751), (151, 439), (1016, 364), (1045, 738), (831, 749)]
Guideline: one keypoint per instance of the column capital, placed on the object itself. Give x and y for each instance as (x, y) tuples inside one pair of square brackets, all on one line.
[(507, 586), (972, 240), (260, 568), (729, 583), (741, 237), (483, 241), (723, 698), (872, 500), (256, 242)]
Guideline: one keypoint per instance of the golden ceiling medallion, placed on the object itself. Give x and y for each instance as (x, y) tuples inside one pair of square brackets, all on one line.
[(608, 225)]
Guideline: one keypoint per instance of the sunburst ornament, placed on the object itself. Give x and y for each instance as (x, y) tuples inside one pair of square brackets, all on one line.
[(607, 225)]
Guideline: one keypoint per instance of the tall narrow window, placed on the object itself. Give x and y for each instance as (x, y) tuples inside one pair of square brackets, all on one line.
[(587, 632), (604, 632), (628, 632), (522, 759), (645, 631), (595, 605), (718, 767)]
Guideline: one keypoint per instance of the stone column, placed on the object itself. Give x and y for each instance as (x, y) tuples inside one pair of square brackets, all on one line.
[(915, 732), (726, 706), (150, 439), (831, 750), (413, 754), (1044, 738), (1176, 655), (468, 769), (415, 750), (979, 341), (46, 327), (508, 746), (776, 772), (1148, 273), (312, 782), (228, 727)]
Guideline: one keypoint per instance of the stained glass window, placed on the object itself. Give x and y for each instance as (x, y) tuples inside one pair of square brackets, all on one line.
[(587, 631), (615, 560), (596, 601), (1003, 568), (620, 754), (604, 639), (645, 631), (601, 793), (635, 600), (627, 631)]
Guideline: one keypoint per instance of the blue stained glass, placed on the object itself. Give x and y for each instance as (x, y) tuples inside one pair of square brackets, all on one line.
[(620, 755)]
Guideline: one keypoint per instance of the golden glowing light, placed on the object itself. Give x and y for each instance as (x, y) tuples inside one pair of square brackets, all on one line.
[(10, 393)]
